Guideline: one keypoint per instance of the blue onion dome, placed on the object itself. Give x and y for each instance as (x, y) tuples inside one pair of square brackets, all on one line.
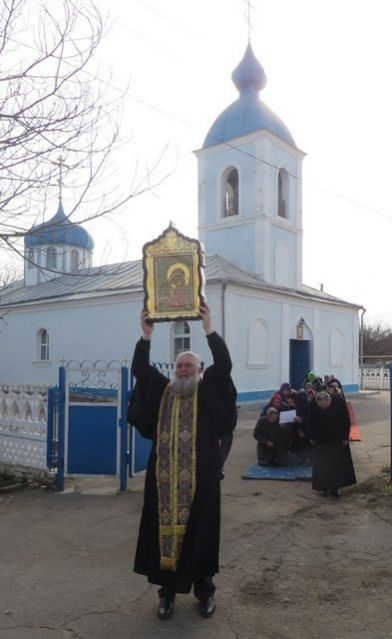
[(59, 230), (249, 74), (248, 113)]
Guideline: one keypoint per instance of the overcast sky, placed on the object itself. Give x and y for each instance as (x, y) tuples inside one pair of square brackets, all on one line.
[(328, 77)]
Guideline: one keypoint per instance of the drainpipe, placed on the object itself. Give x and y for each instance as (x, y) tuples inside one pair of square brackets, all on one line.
[(361, 348), (223, 297)]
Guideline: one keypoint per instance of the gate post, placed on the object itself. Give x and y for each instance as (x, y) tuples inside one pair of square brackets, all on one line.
[(61, 431), (124, 428), (50, 452)]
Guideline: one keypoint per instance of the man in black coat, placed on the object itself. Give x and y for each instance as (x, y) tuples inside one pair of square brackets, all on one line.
[(186, 418)]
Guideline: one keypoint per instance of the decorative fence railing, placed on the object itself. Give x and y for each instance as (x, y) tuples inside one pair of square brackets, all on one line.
[(375, 377), (23, 425)]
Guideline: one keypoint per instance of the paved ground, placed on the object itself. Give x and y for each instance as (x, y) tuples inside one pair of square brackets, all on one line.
[(294, 565)]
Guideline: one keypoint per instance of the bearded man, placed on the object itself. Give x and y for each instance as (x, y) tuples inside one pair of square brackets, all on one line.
[(186, 418)]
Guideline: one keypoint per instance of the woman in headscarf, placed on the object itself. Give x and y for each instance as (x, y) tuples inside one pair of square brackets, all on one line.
[(313, 379), (274, 402), (271, 440), (335, 388), (284, 392), (329, 431)]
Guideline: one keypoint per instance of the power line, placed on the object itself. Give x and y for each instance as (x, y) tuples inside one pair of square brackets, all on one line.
[(143, 37), (176, 24), (187, 124)]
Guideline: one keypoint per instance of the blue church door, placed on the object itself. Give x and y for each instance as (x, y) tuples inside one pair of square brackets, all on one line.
[(299, 361)]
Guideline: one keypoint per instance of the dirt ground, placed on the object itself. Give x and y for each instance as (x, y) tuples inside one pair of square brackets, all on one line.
[(294, 565)]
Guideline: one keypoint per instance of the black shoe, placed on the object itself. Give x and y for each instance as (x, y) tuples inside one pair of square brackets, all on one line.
[(207, 607), (324, 493), (166, 607), (336, 493)]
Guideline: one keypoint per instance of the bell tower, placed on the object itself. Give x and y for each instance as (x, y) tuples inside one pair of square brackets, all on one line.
[(250, 179)]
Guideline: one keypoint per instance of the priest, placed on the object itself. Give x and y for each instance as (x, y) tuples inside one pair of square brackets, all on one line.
[(186, 419)]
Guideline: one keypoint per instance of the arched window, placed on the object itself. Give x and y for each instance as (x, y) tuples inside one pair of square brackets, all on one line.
[(74, 260), (283, 193), (181, 338), (258, 343), (43, 345), (51, 258), (336, 348), (230, 197), (30, 258)]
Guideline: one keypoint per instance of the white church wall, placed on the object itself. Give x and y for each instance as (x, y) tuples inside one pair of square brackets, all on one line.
[(340, 360), (90, 329), (108, 328), (77, 330), (243, 310), (258, 371)]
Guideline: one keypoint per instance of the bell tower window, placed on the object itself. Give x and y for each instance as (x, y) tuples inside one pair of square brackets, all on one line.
[(30, 259), (74, 260), (51, 258), (283, 193), (230, 189)]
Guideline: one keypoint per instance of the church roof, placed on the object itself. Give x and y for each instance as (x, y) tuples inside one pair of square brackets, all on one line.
[(127, 277), (248, 113), (59, 230)]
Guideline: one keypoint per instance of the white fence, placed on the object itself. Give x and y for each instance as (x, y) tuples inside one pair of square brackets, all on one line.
[(23, 425), (375, 378)]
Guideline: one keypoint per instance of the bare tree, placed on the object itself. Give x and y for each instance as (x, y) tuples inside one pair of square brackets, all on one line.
[(377, 340), (53, 102)]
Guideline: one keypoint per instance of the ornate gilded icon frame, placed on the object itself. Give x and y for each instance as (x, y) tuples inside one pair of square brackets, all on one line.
[(174, 281)]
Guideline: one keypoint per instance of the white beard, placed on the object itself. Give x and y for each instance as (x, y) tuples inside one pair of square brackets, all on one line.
[(184, 387)]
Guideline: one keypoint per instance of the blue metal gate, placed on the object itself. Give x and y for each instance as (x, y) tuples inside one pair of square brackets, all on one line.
[(299, 361), (90, 434), (87, 423), (92, 439)]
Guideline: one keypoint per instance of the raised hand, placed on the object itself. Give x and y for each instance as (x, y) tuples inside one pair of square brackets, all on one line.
[(206, 318), (147, 325)]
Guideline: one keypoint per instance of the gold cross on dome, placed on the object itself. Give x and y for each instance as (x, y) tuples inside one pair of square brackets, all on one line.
[(248, 16), (60, 163)]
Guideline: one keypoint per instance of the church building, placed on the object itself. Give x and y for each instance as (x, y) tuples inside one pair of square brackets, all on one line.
[(250, 222)]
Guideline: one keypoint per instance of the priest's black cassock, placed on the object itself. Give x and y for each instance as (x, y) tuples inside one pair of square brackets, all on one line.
[(216, 418)]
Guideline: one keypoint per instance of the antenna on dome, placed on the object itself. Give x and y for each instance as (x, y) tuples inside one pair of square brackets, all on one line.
[(248, 16)]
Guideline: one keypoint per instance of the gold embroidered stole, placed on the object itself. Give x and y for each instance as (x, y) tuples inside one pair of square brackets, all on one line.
[(175, 471)]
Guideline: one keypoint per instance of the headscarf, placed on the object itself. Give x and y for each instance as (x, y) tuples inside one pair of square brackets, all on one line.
[(285, 386)]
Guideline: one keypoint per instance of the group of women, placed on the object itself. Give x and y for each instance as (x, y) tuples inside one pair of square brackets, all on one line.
[(316, 431)]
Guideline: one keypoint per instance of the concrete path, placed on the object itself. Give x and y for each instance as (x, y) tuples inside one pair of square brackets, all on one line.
[(293, 565)]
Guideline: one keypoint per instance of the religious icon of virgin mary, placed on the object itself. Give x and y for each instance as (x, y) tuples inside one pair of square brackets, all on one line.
[(173, 276), (176, 292)]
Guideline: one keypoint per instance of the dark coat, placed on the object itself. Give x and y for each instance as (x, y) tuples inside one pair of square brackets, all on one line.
[(332, 463), (264, 432), (216, 419)]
